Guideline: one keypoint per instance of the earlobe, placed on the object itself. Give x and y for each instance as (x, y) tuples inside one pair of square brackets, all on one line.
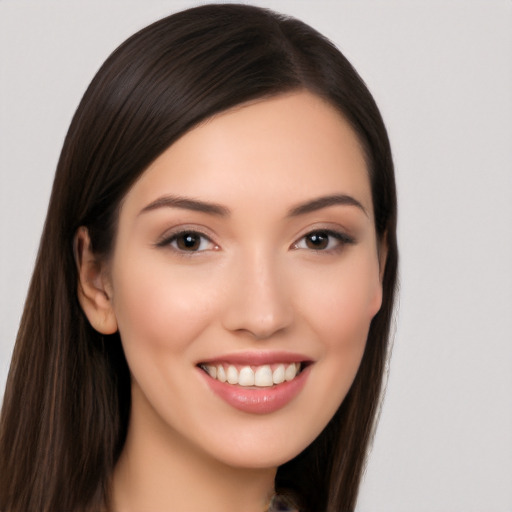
[(94, 291)]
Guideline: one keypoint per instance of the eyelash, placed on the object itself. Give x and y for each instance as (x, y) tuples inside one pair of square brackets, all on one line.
[(338, 238), (174, 239)]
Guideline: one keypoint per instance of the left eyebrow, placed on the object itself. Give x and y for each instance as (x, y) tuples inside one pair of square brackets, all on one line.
[(324, 202)]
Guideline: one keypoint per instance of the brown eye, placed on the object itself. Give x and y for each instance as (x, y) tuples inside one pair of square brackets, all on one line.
[(188, 241), (324, 240), (317, 241)]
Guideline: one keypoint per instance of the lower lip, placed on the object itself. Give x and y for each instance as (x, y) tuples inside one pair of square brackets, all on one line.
[(258, 400)]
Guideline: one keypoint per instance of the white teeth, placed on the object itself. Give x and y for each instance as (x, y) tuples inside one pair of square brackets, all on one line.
[(232, 375), (221, 374), (290, 372), (246, 377), (212, 371), (263, 376), (260, 376), (278, 375)]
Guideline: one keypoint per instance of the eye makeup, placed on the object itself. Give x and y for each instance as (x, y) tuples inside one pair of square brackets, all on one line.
[(187, 241), (324, 240)]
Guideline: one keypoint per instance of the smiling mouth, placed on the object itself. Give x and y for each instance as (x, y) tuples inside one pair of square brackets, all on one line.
[(262, 376)]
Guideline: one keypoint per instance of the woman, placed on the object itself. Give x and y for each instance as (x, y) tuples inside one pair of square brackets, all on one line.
[(209, 314)]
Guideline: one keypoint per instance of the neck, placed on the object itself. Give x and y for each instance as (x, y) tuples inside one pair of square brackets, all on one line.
[(159, 470)]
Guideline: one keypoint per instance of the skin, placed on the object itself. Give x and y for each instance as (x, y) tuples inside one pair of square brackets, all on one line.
[(256, 283)]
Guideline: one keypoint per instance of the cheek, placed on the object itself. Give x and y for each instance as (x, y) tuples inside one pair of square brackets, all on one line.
[(343, 304), (160, 309), (338, 309), (341, 308)]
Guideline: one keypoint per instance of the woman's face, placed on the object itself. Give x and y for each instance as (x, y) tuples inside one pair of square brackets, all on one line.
[(247, 252)]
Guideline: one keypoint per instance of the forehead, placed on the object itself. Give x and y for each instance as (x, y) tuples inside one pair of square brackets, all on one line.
[(285, 149)]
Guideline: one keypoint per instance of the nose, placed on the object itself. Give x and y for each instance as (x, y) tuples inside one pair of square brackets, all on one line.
[(259, 296)]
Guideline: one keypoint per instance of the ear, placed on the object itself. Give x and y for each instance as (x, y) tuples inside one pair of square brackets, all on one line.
[(94, 289)]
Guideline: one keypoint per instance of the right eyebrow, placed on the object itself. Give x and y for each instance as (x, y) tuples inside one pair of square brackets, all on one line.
[(170, 201)]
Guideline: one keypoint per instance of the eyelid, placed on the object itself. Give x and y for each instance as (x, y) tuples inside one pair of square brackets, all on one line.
[(339, 235), (169, 237)]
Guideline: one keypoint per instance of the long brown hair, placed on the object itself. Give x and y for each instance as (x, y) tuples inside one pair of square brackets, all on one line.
[(67, 400)]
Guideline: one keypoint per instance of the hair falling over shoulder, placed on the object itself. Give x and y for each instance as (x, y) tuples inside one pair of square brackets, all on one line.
[(67, 401)]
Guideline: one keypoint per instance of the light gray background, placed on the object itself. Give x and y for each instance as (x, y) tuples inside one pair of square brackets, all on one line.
[(441, 72)]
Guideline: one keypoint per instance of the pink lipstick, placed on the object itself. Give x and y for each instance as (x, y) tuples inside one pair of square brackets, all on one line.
[(256, 383)]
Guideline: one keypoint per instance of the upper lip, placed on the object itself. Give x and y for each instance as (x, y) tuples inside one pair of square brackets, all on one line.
[(257, 358)]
